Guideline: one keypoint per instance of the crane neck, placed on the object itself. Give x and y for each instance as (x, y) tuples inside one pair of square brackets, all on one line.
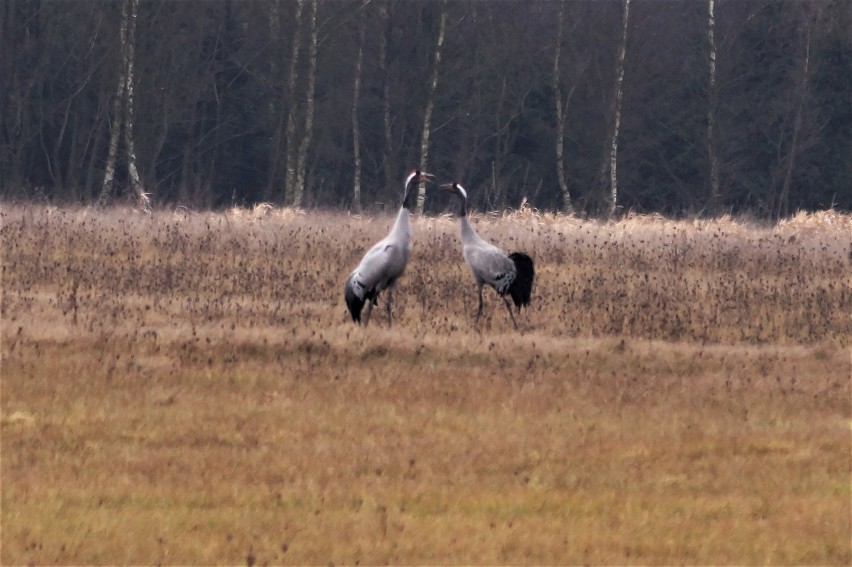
[(463, 211), (401, 227), (468, 235), (410, 192)]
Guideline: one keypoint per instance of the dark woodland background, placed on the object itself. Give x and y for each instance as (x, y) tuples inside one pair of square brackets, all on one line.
[(211, 102)]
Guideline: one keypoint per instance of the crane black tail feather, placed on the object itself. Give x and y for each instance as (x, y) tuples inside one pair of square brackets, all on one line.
[(353, 302), (521, 288)]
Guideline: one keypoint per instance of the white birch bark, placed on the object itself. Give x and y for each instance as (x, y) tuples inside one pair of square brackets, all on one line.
[(613, 153), (299, 192), (292, 107), (124, 102), (356, 136), (561, 111), (712, 156), (115, 127), (129, 145), (427, 116)]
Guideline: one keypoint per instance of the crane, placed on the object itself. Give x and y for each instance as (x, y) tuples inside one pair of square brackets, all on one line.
[(385, 262), (509, 274)]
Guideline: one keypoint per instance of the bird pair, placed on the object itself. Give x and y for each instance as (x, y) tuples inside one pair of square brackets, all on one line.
[(384, 263)]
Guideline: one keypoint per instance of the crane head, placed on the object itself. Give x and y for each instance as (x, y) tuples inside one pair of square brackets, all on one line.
[(414, 178), (454, 188), (415, 175)]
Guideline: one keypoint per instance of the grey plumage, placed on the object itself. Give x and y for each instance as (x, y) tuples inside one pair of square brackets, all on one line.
[(509, 274), (385, 262)]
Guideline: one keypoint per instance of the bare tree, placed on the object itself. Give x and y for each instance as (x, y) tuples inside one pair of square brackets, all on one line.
[(292, 107), (712, 103), (356, 135), (427, 116), (619, 74), (203, 105), (299, 192), (561, 111), (129, 145), (124, 100), (387, 151), (275, 112)]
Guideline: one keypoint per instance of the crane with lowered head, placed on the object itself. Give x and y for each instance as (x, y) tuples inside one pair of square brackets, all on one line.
[(509, 274), (385, 262)]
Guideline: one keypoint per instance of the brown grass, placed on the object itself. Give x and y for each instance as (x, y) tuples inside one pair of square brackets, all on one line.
[(186, 389)]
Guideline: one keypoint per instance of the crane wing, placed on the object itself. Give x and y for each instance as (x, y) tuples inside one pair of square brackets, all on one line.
[(490, 265), (381, 265)]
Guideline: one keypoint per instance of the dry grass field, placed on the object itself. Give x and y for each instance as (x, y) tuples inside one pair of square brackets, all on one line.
[(186, 388)]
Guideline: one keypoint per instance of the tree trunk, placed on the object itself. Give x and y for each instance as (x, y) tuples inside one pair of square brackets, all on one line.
[(115, 129), (356, 136), (619, 80), (298, 195), (427, 116), (561, 111), (129, 145), (275, 115), (714, 198), (292, 107), (389, 166), (124, 101)]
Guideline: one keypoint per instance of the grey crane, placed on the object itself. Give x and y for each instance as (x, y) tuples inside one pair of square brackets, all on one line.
[(385, 262), (509, 274)]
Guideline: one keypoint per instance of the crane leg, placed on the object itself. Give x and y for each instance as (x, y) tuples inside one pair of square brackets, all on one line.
[(509, 309), (479, 309), (390, 298)]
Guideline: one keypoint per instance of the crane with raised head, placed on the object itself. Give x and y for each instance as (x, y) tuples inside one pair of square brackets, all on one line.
[(385, 262), (509, 274)]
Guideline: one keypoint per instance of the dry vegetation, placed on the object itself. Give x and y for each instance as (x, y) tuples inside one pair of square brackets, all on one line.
[(187, 389)]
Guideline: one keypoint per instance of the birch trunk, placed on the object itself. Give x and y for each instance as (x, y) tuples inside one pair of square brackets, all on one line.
[(561, 110), (299, 192), (427, 116), (613, 152), (129, 145), (383, 58), (714, 201), (802, 88), (124, 102), (276, 116), (356, 136), (292, 107), (115, 128)]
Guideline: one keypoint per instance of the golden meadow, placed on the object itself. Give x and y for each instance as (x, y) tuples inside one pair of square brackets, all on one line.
[(187, 388)]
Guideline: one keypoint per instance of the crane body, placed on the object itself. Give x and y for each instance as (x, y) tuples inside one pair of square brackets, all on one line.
[(509, 274), (384, 262)]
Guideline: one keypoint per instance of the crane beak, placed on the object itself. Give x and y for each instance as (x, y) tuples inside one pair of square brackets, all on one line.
[(426, 176), (446, 186)]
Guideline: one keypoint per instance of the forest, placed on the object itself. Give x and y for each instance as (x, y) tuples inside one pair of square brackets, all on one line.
[(704, 107)]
